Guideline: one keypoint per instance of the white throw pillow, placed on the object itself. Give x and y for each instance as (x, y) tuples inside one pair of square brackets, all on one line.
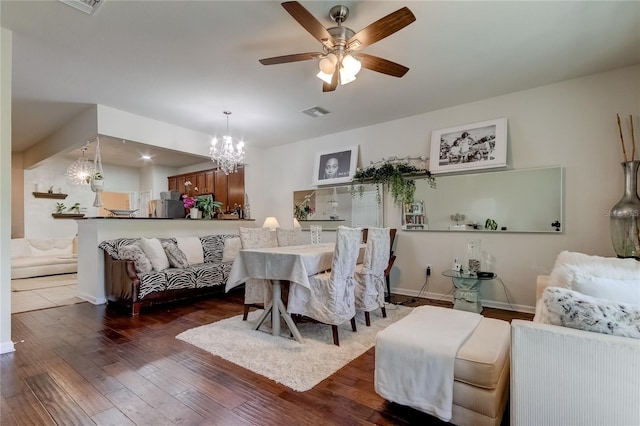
[(20, 248), (622, 291), (154, 251), (568, 308), (51, 247), (232, 247), (569, 265), (192, 248)]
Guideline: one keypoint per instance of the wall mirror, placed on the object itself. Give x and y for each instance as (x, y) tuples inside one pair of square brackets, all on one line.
[(331, 207), (527, 200)]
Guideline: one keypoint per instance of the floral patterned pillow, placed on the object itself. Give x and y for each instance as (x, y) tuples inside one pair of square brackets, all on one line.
[(568, 308), (177, 258), (135, 253)]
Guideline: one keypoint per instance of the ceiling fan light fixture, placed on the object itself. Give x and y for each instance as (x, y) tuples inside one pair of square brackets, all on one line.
[(325, 77), (346, 77), (339, 41), (328, 63), (351, 65)]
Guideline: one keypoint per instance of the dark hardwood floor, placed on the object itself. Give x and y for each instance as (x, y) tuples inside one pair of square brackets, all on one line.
[(84, 364)]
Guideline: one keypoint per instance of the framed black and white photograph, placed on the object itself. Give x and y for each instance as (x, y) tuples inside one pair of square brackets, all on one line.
[(337, 166), (469, 147)]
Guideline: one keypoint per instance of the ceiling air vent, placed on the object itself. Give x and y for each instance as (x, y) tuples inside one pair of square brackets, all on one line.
[(87, 6), (315, 112)]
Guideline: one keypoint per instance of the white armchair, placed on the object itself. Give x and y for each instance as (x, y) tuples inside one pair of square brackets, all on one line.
[(564, 376)]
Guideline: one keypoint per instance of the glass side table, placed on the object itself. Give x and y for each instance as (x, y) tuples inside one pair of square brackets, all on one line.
[(467, 294)]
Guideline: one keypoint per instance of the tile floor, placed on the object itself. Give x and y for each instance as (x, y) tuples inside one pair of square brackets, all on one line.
[(22, 301)]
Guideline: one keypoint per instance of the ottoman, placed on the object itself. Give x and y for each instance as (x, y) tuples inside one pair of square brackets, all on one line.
[(480, 369)]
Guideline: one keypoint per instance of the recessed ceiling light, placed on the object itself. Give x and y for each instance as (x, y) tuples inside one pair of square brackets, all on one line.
[(146, 157)]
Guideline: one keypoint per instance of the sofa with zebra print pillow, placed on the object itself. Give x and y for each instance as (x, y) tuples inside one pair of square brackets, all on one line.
[(126, 286)]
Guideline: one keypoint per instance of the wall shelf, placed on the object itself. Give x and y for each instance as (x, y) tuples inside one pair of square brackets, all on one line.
[(49, 195), (67, 215)]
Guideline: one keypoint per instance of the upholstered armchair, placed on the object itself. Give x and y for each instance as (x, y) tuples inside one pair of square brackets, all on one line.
[(562, 373)]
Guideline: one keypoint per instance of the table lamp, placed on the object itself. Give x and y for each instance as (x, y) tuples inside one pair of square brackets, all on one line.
[(271, 222)]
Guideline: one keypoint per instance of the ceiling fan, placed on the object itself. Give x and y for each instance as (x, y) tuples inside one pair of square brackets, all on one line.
[(339, 62)]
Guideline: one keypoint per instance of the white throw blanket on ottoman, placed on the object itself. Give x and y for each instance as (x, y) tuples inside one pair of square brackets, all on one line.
[(415, 358)]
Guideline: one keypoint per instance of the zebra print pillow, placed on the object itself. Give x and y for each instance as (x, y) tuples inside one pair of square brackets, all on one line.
[(112, 247), (213, 246)]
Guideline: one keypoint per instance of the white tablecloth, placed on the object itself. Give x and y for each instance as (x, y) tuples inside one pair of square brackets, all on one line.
[(290, 263)]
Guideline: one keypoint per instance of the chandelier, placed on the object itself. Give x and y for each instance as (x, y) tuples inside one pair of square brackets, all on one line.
[(227, 155), (79, 172)]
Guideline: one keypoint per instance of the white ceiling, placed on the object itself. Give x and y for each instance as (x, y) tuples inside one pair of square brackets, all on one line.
[(184, 62)]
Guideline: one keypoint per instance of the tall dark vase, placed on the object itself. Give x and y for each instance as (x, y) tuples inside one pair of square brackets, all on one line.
[(625, 215)]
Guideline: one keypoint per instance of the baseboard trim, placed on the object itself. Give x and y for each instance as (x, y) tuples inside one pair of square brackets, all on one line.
[(448, 297), (91, 299), (6, 347)]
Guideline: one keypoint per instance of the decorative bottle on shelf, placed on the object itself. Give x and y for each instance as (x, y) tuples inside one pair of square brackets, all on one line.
[(474, 254), (624, 219)]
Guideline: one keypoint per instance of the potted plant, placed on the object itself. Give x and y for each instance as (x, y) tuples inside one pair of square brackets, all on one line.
[(392, 174), (60, 208), (97, 176), (207, 205), (75, 208)]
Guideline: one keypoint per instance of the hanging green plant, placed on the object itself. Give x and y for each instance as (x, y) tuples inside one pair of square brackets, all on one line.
[(395, 176)]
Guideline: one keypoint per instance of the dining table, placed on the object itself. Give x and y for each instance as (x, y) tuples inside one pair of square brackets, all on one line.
[(292, 264)]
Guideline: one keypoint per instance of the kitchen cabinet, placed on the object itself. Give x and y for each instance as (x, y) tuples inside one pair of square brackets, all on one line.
[(221, 193), (235, 189), (228, 189)]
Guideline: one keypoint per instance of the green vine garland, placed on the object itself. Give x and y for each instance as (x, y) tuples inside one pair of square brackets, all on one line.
[(393, 175)]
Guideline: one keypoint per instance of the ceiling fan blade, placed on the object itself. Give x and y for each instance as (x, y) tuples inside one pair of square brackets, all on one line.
[(290, 58), (381, 65), (330, 87), (382, 28), (309, 23)]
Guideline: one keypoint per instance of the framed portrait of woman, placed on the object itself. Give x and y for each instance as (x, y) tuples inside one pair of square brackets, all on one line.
[(337, 166)]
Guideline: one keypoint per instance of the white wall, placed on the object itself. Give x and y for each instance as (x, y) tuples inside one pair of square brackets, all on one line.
[(154, 179), (39, 223), (571, 124), (6, 45)]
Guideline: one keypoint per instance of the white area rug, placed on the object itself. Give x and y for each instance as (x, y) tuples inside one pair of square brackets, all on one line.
[(282, 359), (49, 281)]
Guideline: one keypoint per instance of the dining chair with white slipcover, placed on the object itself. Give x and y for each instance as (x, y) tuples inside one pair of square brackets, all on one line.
[(288, 237), (392, 258), (257, 292), (331, 297), (370, 275)]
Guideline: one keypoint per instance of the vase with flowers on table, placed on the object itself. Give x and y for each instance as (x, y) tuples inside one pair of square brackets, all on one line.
[(190, 205)]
